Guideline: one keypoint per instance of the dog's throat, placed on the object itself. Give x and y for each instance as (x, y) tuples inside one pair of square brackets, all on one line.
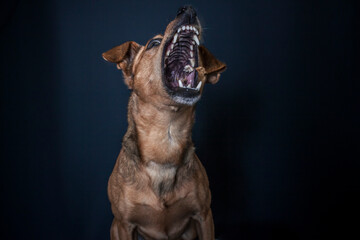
[(163, 135)]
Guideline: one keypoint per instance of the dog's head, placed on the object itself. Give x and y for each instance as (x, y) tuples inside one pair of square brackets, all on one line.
[(171, 68)]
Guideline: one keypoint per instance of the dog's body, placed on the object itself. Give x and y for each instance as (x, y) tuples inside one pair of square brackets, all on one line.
[(159, 188)]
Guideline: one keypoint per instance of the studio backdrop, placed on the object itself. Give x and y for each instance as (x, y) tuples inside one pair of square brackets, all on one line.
[(278, 134)]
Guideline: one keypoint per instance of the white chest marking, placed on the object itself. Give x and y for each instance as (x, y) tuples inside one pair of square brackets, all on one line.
[(162, 176)]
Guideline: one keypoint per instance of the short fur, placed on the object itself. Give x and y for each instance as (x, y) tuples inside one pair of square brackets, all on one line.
[(158, 188)]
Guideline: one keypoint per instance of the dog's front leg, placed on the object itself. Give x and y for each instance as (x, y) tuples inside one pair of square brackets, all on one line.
[(205, 226), (121, 231)]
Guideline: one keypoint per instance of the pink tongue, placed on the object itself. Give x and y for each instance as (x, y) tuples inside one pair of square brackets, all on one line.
[(190, 78)]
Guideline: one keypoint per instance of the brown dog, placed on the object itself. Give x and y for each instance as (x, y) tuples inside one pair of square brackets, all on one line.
[(159, 188)]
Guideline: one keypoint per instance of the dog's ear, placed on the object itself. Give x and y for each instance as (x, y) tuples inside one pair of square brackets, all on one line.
[(213, 67), (123, 56)]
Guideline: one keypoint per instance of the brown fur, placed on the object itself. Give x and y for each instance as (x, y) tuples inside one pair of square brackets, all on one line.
[(159, 188)]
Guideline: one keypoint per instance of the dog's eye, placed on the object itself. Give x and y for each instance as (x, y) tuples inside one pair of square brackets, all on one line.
[(153, 43)]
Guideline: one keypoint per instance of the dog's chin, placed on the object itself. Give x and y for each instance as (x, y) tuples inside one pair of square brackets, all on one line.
[(179, 61), (185, 97)]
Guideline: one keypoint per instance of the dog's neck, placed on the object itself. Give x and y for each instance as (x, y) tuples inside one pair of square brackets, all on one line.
[(159, 139), (163, 133)]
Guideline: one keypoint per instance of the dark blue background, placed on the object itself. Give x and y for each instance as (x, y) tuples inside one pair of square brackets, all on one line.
[(278, 135)]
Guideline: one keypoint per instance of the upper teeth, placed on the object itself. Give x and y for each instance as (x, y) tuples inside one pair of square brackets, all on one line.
[(196, 40), (189, 28), (175, 38), (192, 62)]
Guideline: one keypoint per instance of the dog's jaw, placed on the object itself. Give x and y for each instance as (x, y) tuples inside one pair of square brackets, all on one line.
[(179, 62)]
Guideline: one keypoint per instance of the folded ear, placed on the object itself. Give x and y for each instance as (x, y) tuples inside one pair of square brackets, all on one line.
[(123, 56), (213, 67)]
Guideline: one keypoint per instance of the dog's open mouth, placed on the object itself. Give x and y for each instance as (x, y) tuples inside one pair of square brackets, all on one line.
[(180, 58)]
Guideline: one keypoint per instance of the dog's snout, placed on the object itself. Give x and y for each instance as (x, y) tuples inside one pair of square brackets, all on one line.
[(181, 11), (188, 12)]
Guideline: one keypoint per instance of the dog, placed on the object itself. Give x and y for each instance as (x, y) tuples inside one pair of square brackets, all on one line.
[(158, 188)]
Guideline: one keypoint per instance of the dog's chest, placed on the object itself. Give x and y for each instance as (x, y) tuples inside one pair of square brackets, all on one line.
[(162, 176), (163, 217)]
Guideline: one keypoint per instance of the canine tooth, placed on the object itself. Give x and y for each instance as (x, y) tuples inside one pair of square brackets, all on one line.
[(179, 29), (175, 38), (197, 32), (198, 86), (181, 84), (191, 54), (168, 53), (189, 85), (196, 40), (192, 62), (183, 28)]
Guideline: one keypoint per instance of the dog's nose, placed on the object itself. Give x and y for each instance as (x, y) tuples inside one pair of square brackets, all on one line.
[(189, 12)]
